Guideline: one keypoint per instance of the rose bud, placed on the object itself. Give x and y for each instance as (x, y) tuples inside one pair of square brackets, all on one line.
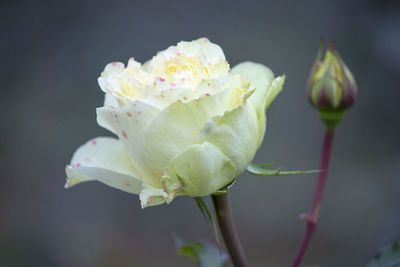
[(331, 87)]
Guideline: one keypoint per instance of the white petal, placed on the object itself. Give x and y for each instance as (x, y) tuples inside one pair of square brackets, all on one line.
[(188, 63), (164, 98), (130, 123), (152, 196), (110, 101), (103, 159)]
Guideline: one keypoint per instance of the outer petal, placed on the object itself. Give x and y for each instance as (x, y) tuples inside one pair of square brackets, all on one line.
[(260, 77), (266, 88), (130, 123), (110, 101), (103, 159), (178, 127), (152, 196), (275, 88), (236, 134), (200, 170)]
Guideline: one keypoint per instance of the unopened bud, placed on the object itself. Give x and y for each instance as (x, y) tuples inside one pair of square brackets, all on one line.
[(331, 87)]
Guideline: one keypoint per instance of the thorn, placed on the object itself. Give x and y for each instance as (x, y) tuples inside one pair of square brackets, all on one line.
[(308, 218)]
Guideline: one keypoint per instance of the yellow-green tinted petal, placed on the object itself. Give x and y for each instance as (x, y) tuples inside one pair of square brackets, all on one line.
[(260, 78), (275, 88), (266, 88), (200, 170), (130, 123), (178, 126), (103, 159), (236, 134)]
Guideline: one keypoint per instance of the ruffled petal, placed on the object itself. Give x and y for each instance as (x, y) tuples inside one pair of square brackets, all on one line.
[(164, 98), (128, 83), (103, 159), (188, 63), (200, 170)]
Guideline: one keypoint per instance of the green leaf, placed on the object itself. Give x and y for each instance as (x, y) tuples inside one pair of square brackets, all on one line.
[(208, 216), (262, 170), (388, 257), (205, 253)]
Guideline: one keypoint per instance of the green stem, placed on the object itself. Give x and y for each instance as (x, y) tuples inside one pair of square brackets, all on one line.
[(228, 231)]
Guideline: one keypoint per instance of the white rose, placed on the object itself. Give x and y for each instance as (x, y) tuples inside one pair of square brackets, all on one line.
[(186, 124)]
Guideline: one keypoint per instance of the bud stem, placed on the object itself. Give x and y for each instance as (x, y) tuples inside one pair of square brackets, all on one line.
[(228, 231), (312, 217)]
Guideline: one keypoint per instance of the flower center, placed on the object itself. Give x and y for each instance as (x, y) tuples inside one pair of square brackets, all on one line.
[(183, 66)]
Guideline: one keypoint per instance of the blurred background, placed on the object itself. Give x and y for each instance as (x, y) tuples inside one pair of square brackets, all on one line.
[(51, 55)]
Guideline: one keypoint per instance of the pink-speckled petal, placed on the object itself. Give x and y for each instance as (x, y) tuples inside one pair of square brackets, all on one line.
[(103, 159), (130, 123)]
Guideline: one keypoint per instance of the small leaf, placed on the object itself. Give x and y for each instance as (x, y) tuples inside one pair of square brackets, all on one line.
[(208, 216), (205, 253), (264, 171), (388, 257)]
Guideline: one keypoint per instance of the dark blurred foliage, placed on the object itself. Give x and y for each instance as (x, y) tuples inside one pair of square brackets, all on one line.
[(51, 55)]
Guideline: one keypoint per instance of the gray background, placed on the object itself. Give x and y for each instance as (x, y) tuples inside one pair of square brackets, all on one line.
[(51, 55)]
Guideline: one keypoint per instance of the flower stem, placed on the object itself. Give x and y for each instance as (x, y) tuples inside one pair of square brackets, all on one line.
[(312, 217), (227, 227)]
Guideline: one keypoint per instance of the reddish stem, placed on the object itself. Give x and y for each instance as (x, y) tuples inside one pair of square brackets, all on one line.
[(312, 217)]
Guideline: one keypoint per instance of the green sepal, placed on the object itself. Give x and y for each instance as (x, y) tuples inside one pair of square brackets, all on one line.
[(208, 216), (205, 253), (331, 118), (262, 170), (388, 257), (224, 190)]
